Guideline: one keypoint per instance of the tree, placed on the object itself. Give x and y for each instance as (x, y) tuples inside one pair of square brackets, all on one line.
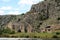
[(7, 31)]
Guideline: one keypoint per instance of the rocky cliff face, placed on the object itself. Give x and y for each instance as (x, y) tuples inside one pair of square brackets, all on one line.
[(41, 14), (47, 8)]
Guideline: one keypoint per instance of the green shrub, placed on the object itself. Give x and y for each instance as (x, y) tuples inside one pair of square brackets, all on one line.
[(22, 14), (1, 31), (7, 30), (58, 18), (13, 32), (14, 36), (55, 36), (35, 36), (57, 33), (5, 35), (27, 36)]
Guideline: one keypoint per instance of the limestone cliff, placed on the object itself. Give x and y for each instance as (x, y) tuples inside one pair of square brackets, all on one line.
[(42, 14)]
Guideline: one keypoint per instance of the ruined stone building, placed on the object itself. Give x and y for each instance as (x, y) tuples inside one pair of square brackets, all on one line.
[(50, 29), (20, 27)]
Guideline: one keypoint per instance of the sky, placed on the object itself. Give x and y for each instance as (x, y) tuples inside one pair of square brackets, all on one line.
[(16, 7)]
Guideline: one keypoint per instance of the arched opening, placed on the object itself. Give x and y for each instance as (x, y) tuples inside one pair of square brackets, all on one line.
[(19, 30), (48, 27)]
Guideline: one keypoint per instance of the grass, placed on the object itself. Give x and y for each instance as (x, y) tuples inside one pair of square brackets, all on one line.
[(30, 35)]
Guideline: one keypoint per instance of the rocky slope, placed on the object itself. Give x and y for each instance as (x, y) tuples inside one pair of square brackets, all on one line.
[(42, 14)]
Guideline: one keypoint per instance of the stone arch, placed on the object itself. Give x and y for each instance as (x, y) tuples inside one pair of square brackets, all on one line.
[(19, 30), (29, 28)]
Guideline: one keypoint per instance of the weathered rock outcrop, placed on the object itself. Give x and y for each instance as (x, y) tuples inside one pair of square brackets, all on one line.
[(49, 8)]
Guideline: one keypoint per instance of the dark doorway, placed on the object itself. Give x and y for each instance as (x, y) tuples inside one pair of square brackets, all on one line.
[(25, 30), (13, 26), (48, 26), (48, 29), (19, 30)]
